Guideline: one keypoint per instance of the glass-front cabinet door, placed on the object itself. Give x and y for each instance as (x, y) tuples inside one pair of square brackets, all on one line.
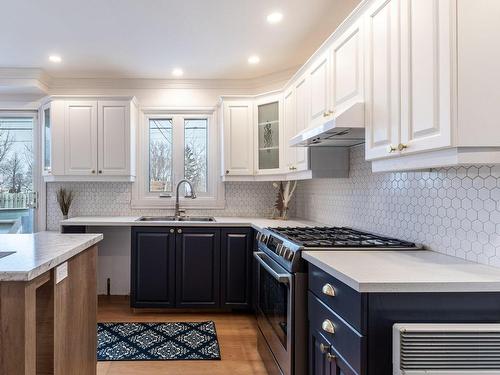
[(269, 133), (46, 140)]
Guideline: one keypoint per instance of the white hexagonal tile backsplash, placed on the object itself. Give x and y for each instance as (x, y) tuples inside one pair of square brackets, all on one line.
[(451, 210), (251, 199)]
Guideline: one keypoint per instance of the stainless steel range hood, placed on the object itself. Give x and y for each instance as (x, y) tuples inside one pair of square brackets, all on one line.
[(344, 129)]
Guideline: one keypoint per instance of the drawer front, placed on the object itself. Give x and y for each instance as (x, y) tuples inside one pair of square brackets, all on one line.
[(349, 344), (342, 299)]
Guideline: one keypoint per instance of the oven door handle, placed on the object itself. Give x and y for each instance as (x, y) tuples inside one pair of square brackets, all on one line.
[(280, 277)]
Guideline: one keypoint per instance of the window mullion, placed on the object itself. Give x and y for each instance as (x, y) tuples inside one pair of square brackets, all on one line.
[(178, 144)]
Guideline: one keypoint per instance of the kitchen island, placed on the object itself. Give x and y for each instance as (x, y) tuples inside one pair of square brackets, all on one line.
[(48, 303)]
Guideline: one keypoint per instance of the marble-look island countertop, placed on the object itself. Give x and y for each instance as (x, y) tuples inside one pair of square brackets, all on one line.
[(255, 222), (34, 254), (405, 271)]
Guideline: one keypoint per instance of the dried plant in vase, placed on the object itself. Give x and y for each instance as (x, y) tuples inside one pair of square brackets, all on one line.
[(285, 194), (64, 198)]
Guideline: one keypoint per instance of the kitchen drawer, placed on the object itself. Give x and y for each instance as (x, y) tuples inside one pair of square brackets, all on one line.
[(346, 302), (350, 344)]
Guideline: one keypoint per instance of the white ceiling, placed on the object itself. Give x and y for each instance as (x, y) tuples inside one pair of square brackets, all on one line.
[(208, 39)]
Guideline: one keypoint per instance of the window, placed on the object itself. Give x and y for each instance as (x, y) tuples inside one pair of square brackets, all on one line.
[(173, 146), (195, 153), (160, 155), (17, 165)]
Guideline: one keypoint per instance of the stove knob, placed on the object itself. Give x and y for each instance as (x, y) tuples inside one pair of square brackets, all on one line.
[(288, 254), (279, 249)]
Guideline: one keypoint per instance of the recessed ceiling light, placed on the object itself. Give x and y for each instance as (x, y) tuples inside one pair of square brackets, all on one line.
[(177, 72), (55, 58), (274, 17), (254, 59)]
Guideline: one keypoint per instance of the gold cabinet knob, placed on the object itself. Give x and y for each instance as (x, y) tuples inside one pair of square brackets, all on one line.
[(92, 171), (402, 146), (330, 357), (324, 348), (328, 290), (326, 114), (328, 326), (391, 148)]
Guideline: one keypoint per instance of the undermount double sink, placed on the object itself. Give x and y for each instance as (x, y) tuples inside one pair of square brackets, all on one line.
[(179, 218)]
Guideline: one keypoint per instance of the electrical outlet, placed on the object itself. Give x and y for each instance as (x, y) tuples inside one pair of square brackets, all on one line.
[(61, 272)]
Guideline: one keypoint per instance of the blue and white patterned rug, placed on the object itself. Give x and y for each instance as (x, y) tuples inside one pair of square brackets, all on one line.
[(156, 341)]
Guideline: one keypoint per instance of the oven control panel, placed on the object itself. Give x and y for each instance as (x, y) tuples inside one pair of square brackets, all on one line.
[(276, 245)]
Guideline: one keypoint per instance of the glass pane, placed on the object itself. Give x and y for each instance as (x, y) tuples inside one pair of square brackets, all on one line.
[(47, 140), (195, 153), (160, 155), (16, 175), (273, 303), (268, 136)]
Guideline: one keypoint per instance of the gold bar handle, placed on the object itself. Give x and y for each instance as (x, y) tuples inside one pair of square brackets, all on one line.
[(328, 326), (324, 348), (328, 290)]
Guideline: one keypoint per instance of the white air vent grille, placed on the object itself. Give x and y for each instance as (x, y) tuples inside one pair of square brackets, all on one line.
[(440, 348)]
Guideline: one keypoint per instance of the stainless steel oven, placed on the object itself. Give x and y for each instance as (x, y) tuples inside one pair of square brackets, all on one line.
[(281, 316)]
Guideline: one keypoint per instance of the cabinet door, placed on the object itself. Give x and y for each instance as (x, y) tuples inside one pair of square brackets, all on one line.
[(289, 129), (153, 267), (426, 56), (347, 68), (236, 261), (238, 138), (198, 267), (81, 138), (382, 67), (320, 91), (318, 349), (302, 95), (268, 135), (114, 138)]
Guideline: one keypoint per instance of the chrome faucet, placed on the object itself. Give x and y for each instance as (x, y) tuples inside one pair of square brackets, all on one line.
[(192, 196)]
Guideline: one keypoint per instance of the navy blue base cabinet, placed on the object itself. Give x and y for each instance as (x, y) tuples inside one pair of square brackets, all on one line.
[(350, 333), (191, 267)]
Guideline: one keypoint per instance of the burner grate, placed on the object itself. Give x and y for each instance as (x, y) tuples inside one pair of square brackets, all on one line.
[(338, 237)]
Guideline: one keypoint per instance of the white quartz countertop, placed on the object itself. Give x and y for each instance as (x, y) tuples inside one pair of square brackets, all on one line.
[(405, 271), (37, 253), (255, 222)]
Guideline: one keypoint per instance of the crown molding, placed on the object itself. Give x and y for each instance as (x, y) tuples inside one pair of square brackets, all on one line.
[(274, 79)]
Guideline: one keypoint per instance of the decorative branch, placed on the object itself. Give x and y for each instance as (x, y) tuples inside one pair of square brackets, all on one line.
[(64, 198)]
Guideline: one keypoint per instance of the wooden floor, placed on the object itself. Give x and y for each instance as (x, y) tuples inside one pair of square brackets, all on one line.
[(237, 334)]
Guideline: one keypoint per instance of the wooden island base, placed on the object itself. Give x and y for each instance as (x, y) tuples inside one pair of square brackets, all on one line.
[(48, 327)]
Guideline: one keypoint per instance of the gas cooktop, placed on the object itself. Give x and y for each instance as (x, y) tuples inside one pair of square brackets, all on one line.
[(338, 237)]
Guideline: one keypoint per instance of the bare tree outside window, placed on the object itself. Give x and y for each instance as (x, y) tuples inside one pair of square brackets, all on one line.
[(160, 155), (16, 155), (196, 152)]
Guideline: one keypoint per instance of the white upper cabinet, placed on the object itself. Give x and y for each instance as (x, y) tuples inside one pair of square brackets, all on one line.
[(426, 58), (89, 140), (347, 58), (289, 129), (80, 128), (238, 145), (383, 93), (302, 102), (114, 138), (320, 91), (268, 134)]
